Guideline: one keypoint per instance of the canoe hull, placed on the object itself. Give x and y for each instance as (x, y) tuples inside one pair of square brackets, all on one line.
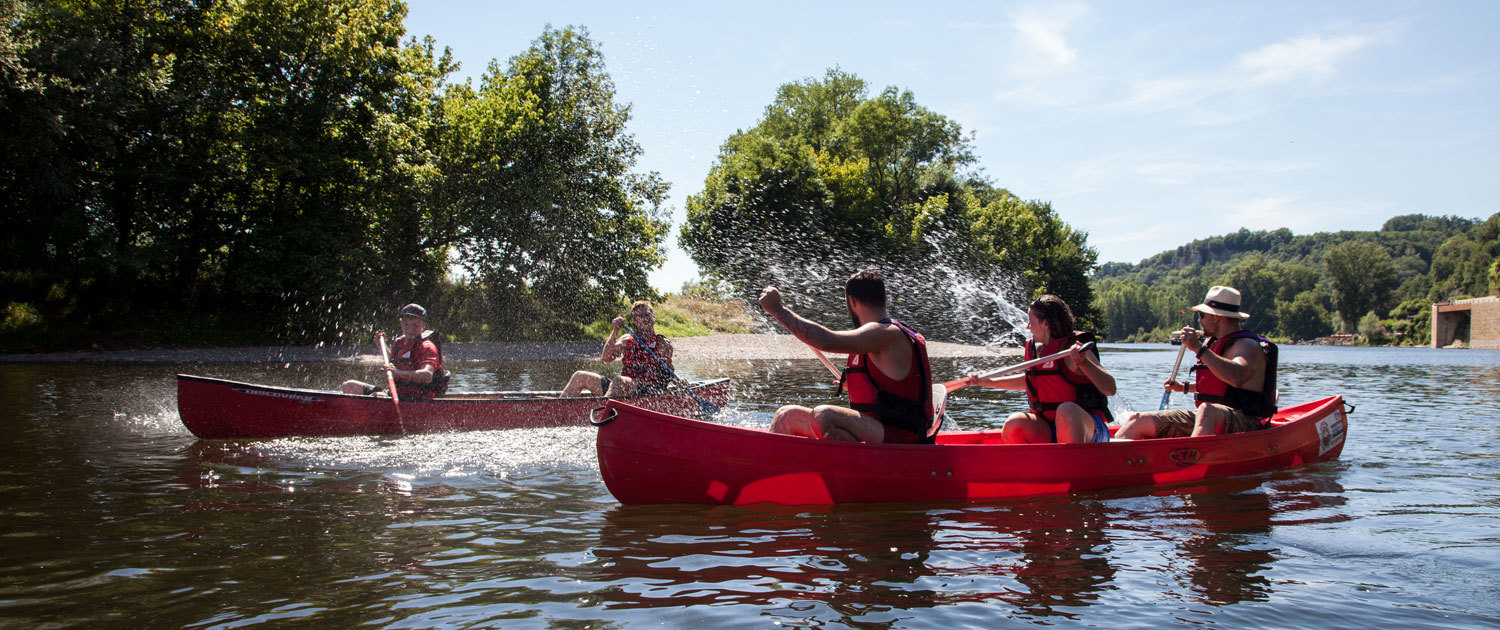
[(648, 457), (218, 409)]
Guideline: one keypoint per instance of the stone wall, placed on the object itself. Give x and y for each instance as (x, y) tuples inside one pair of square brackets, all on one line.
[(1484, 325), (1474, 321)]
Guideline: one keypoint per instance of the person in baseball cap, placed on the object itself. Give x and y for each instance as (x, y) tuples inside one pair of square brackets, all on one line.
[(416, 361)]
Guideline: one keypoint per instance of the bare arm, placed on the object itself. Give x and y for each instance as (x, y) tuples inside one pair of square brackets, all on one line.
[(866, 339), (664, 350), (422, 374), (1237, 366), (1087, 364), (612, 346)]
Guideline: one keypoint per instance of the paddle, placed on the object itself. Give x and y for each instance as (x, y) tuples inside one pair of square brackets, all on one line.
[(390, 380), (1166, 394), (1026, 364), (826, 363), (707, 408)]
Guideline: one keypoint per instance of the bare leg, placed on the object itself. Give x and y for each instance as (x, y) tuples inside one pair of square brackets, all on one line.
[(356, 388), (581, 381), (621, 386), (1209, 420), (794, 420), (847, 425), (1074, 425), (827, 422), (1136, 425), (1026, 428)]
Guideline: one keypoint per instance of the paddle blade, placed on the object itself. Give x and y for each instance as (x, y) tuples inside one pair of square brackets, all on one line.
[(1166, 397), (939, 408)]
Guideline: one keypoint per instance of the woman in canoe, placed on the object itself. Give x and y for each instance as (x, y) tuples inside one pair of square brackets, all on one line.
[(1068, 397), (640, 372)]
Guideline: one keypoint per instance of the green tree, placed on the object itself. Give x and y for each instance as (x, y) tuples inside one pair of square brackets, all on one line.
[(1413, 319), (1495, 277), (1305, 316), (1370, 328), (293, 158), (1462, 264), (538, 165), (1362, 277), (832, 180)]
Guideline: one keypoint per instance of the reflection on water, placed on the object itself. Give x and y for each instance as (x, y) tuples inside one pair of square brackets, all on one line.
[(113, 514)]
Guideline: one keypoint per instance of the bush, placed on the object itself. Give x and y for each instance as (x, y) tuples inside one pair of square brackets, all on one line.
[(1370, 328)]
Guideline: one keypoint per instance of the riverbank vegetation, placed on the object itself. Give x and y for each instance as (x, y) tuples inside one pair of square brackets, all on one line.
[(292, 171), (182, 173), (1378, 284)]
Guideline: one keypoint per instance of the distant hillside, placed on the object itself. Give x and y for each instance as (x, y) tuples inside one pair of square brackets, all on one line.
[(1302, 286)]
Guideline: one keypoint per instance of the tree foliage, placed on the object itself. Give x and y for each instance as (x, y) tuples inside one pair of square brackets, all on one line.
[(1362, 276), (297, 159), (833, 180), (1301, 286)]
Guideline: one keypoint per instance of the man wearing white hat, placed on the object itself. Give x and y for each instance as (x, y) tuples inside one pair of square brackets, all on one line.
[(1234, 380)]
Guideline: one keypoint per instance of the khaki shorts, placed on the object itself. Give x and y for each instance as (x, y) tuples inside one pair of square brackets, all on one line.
[(1179, 423)]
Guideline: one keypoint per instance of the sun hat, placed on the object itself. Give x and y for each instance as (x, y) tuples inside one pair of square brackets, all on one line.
[(414, 310), (1222, 301)]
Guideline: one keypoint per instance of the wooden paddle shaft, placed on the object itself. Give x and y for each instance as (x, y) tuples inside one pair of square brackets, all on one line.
[(1166, 396), (1038, 361), (829, 364), (390, 377)]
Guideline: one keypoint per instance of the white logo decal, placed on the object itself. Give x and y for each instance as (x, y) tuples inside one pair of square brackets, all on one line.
[(1330, 432)]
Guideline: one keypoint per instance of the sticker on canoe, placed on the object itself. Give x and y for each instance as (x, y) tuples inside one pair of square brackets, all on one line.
[(301, 398), (1330, 432), (1185, 456)]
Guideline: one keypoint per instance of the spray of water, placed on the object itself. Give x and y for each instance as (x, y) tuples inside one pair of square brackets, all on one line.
[(935, 291)]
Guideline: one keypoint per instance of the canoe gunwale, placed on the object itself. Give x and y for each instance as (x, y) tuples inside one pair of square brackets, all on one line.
[(465, 397), (213, 408)]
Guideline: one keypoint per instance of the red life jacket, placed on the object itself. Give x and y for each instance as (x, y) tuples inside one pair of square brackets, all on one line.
[(638, 363), (403, 351), (905, 404), (1210, 389), (1050, 384)]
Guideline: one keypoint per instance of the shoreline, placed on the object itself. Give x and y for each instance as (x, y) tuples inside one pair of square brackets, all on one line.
[(707, 347)]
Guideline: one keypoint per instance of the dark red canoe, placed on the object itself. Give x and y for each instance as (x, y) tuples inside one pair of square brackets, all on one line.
[(652, 457), (215, 408)]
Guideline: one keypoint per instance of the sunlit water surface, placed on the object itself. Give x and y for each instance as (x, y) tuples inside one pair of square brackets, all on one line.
[(114, 514)]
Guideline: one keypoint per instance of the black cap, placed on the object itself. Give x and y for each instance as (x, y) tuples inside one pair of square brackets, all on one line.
[(414, 310)]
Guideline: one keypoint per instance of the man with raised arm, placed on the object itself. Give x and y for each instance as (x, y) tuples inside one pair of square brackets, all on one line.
[(640, 372), (887, 375)]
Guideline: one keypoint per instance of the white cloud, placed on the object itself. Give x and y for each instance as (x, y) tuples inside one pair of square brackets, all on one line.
[(1047, 39), (1041, 43), (1312, 57), (1156, 94)]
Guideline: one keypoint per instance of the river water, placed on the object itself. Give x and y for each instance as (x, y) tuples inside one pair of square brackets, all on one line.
[(113, 514)]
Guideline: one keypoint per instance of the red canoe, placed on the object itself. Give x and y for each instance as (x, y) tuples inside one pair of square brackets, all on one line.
[(213, 409), (651, 457)]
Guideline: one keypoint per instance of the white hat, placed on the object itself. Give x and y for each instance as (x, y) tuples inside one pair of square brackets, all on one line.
[(1222, 301)]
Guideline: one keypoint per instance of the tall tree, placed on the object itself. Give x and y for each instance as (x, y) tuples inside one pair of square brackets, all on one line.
[(539, 165), (1362, 276), (833, 180)]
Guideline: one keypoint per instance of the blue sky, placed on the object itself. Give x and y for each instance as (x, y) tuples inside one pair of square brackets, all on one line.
[(1146, 124)]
